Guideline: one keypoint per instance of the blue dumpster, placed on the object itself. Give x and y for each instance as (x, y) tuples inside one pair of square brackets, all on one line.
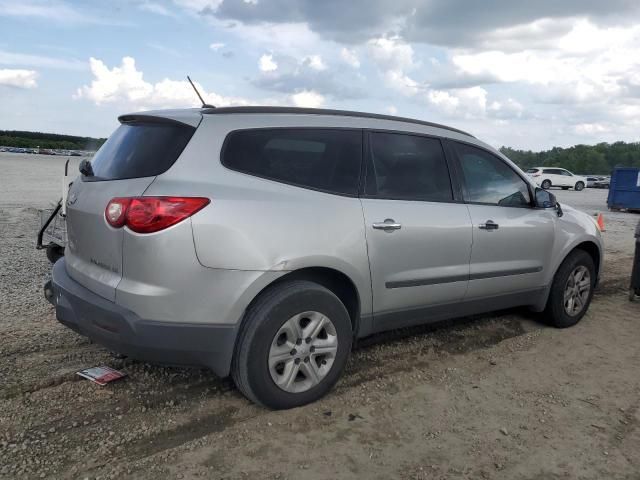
[(624, 191)]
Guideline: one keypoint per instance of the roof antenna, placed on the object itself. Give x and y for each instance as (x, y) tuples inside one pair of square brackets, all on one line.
[(204, 105)]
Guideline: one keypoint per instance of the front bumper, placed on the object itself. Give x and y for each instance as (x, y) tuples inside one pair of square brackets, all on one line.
[(121, 330)]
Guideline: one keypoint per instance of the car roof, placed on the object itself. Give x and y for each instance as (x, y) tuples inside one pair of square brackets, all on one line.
[(324, 111)]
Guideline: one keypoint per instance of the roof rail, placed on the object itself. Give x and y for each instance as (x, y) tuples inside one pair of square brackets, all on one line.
[(325, 111)]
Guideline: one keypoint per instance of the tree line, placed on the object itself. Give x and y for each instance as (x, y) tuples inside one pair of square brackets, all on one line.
[(597, 159), (22, 139)]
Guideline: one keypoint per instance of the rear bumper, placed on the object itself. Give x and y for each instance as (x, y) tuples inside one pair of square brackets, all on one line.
[(121, 330)]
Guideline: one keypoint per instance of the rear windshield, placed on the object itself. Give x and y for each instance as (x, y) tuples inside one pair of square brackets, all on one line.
[(532, 170), (137, 150)]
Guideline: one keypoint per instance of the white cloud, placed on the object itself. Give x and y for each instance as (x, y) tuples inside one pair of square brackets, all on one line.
[(293, 39), (315, 62), (39, 61), (126, 86), (307, 98), (590, 128), (587, 64), (267, 63), (18, 78), (350, 57), (391, 53), (404, 84), (507, 109), (51, 11), (156, 8), (469, 102), (196, 6), (216, 46)]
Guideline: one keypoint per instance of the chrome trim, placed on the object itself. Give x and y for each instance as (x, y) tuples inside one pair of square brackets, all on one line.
[(460, 278)]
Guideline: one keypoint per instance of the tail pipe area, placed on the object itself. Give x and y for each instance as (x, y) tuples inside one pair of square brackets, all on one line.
[(49, 294)]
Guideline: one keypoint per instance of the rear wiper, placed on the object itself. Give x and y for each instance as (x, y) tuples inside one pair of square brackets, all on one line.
[(85, 168)]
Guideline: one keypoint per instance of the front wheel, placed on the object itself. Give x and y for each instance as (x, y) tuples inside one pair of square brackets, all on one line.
[(579, 186), (294, 345), (546, 184), (571, 290)]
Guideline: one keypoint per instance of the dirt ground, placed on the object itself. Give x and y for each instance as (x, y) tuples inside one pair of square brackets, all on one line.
[(499, 396)]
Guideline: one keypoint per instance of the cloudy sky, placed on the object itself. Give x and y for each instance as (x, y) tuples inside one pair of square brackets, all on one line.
[(527, 74)]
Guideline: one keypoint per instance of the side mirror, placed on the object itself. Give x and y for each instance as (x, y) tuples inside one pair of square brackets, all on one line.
[(546, 199)]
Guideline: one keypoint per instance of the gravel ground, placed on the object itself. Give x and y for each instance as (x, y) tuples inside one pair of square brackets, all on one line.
[(498, 396)]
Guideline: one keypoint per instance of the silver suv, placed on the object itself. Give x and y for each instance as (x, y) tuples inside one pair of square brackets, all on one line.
[(262, 242)]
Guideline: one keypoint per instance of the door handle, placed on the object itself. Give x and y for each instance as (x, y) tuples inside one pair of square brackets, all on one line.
[(388, 225), (489, 225)]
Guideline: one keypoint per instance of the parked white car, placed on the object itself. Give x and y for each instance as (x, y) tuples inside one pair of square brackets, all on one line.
[(556, 177)]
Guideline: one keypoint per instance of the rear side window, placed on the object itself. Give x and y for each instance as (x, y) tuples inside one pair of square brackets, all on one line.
[(137, 150), (489, 180), (408, 167), (321, 159)]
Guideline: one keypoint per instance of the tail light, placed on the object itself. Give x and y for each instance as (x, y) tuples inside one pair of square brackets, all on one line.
[(151, 214), (535, 174)]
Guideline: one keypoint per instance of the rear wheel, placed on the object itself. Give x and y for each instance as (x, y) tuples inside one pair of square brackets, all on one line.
[(571, 290), (546, 184), (579, 186), (294, 345)]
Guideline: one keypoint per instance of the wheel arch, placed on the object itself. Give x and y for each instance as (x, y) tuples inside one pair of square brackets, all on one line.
[(336, 281), (339, 283), (588, 246), (592, 249)]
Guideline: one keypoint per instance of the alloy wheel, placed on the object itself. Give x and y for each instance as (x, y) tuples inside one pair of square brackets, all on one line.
[(577, 290), (302, 352)]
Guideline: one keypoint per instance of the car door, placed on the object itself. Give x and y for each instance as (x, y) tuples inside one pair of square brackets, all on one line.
[(418, 234), (552, 175), (512, 240), (568, 179)]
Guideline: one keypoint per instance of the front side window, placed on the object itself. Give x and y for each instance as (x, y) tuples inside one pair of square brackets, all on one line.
[(566, 173), (408, 167), (489, 180), (321, 159)]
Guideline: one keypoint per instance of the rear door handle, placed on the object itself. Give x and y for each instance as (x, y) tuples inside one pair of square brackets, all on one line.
[(388, 225), (489, 225)]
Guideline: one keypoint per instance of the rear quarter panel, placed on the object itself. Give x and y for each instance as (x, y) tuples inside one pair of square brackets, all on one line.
[(254, 224)]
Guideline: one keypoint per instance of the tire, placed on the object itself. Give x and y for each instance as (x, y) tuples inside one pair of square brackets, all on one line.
[(546, 184), (264, 326), (555, 312), (54, 252), (579, 186)]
